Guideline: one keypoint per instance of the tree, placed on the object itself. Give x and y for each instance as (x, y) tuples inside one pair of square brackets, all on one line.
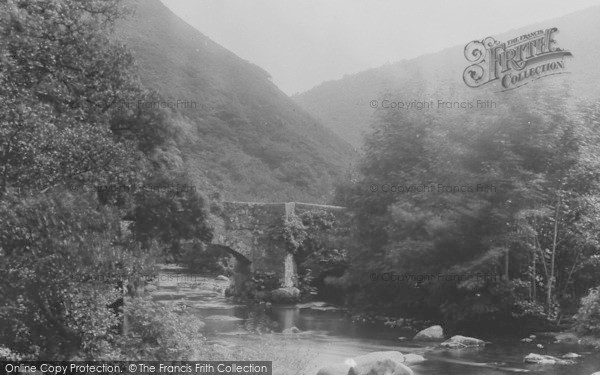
[(65, 133), (540, 155), (61, 268), (62, 79), (170, 213)]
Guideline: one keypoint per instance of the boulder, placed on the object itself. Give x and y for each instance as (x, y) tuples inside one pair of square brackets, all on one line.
[(379, 356), (566, 338), (527, 339), (291, 330), (458, 341), (341, 369), (411, 359), (285, 295), (385, 367), (222, 278), (596, 373), (433, 333), (389, 363), (545, 360), (571, 356)]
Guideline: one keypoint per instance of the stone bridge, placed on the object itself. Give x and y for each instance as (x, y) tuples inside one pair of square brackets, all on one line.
[(245, 230)]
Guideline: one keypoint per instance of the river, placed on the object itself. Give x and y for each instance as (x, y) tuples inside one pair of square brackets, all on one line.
[(327, 337)]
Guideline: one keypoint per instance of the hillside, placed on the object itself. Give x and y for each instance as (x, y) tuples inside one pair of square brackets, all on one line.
[(344, 105), (243, 136)]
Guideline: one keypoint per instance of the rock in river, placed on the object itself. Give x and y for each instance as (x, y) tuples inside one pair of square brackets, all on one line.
[(458, 341), (223, 318), (311, 305), (291, 330), (339, 369), (432, 333), (389, 362), (411, 359), (379, 356), (385, 367), (545, 360), (222, 278), (566, 338)]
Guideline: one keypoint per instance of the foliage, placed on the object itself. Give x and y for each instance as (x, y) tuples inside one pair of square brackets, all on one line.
[(290, 232), (497, 255), (158, 332), (258, 285), (588, 317), (61, 269), (67, 133), (263, 281), (170, 214), (61, 78)]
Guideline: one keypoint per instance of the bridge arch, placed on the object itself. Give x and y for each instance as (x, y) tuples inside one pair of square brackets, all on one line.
[(241, 268), (238, 256)]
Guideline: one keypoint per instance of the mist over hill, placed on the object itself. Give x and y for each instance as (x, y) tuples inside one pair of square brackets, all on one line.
[(345, 105), (243, 137)]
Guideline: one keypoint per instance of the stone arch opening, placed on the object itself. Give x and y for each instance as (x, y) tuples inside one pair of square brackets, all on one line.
[(241, 268)]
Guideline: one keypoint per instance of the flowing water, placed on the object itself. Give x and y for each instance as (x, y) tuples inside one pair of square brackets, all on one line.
[(327, 337)]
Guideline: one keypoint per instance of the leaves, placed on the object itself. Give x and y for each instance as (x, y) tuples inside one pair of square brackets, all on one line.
[(542, 214), (60, 270), (64, 136)]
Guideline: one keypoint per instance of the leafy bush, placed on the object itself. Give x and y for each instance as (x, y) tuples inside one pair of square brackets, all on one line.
[(61, 270), (588, 317), (264, 281), (290, 232), (258, 285), (64, 262), (158, 332), (171, 214)]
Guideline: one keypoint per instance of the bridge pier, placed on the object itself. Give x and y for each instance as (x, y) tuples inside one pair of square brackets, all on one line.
[(290, 271)]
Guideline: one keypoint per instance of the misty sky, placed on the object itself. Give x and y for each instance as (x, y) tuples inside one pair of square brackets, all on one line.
[(302, 43)]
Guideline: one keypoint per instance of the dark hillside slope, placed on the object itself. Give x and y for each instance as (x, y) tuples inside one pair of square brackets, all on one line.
[(244, 137)]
